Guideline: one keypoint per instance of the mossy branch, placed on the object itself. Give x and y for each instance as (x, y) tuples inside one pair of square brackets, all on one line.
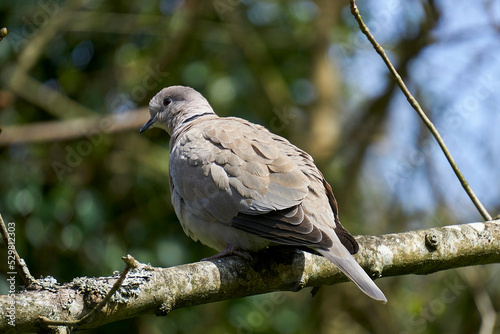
[(147, 290)]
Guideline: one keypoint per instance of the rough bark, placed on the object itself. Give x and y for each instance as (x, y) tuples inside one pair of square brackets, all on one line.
[(158, 291)]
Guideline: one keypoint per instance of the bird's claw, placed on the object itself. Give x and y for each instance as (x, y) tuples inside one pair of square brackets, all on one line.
[(230, 250)]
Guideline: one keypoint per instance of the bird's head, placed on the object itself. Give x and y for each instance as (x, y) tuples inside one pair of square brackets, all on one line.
[(176, 106)]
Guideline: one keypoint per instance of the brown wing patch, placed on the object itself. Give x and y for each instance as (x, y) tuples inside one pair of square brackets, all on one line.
[(345, 237)]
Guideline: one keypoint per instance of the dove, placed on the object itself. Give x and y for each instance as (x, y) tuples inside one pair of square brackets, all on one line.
[(237, 187)]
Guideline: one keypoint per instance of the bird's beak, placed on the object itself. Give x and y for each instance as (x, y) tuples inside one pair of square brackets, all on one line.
[(148, 124)]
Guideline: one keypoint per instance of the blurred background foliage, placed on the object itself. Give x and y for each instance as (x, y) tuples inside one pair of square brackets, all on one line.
[(84, 188)]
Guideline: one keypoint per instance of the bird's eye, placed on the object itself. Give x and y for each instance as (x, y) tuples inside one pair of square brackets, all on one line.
[(167, 101)]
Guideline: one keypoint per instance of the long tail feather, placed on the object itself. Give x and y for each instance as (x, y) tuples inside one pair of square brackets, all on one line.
[(339, 256)]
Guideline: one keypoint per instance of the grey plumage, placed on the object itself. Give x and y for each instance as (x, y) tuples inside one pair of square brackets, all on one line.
[(235, 183)]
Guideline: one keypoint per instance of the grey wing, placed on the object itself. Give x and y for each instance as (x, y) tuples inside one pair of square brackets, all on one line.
[(228, 168), (243, 176)]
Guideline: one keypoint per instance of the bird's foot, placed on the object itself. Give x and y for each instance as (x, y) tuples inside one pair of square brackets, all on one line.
[(230, 250)]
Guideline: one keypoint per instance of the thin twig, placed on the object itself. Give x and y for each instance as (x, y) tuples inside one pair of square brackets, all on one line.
[(20, 265), (413, 102), (130, 263)]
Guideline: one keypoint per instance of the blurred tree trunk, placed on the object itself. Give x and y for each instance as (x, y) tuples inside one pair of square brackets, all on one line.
[(324, 114)]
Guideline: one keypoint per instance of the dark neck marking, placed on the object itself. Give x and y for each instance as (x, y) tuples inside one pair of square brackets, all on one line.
[(192, 118)]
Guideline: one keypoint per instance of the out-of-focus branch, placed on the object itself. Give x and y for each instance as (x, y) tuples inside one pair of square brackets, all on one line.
[(477, 280), (118, 23), (161, 290), (20, 82), (254, 47), (74, 128), (413, 102), (43, 96), (61, 16)]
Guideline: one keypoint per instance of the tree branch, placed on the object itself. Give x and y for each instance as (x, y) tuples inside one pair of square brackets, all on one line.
[(413, 102), (130, 263), (158, 291), (73, 128)]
